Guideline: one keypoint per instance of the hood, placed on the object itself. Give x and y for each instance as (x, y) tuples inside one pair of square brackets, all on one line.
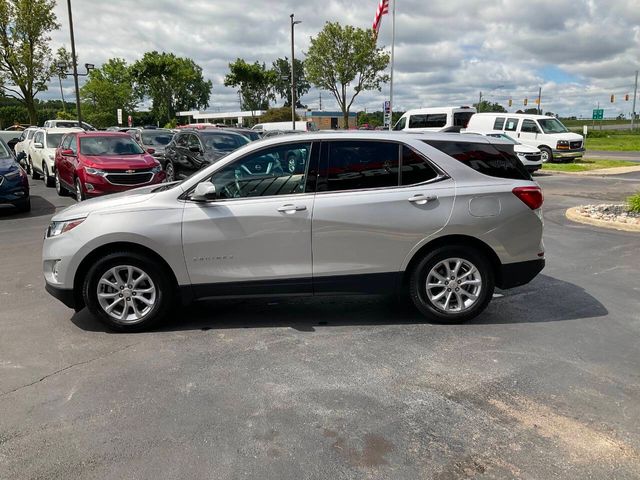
[(118, 202), (123, 162), (570, 136), (522, 148), (7, 164)]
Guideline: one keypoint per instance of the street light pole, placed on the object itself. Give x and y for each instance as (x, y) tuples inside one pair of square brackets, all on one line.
[(75, 63), (293, 79)]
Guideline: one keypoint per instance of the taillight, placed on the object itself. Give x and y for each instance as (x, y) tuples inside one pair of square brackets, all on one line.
[(531, 196)]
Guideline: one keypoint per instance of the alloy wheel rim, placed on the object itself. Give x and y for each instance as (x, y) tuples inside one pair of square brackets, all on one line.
[(169, 173), (56, 179), (126, 294), (45, 172), (78, 191), (453, 285)]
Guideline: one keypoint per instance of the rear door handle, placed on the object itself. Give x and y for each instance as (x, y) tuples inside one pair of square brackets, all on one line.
[(290, 208), (421, 199)]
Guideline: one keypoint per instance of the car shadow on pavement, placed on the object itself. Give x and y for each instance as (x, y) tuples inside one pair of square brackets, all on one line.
[(546, 299), (39, 207)]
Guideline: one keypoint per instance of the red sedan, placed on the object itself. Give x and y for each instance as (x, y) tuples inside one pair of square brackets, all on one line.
[(91, 164)]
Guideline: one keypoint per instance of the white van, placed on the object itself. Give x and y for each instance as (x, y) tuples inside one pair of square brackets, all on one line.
[(302, 126), (546, 133), (434, 119)]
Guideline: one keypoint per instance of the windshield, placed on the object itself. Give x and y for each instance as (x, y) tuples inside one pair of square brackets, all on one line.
[(552, 125), (502, 136), (53, 140), (223, 141), (109, 146), (4, 153), (156, 139)]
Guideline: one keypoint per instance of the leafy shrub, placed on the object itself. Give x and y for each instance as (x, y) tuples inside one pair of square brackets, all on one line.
[(634, 203)]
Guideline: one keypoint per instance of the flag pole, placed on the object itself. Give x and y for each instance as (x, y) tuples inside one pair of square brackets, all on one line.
[(393, 43)]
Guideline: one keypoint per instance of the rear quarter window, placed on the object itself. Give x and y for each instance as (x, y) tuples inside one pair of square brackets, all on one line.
[(495, 160)]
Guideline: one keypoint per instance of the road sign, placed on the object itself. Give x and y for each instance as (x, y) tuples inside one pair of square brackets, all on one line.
[(119, 116), (598, 113)]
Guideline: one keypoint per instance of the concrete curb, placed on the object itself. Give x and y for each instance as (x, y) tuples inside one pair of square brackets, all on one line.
[(597, 172), (574, 215)]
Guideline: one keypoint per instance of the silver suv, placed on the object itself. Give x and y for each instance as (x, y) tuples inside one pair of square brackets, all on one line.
[(444, 217)]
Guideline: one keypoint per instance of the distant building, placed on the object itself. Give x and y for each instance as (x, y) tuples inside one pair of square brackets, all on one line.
[(325, 120)]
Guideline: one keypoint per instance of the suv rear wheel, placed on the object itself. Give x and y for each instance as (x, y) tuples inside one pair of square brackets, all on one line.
[(128, 292), (48, 179), (452, 284)]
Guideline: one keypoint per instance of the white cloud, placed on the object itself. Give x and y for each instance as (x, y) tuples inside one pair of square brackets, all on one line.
[(447, 51)]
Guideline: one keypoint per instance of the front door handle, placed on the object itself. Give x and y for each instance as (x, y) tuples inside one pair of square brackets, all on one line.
[(290, 208), (421, 199)]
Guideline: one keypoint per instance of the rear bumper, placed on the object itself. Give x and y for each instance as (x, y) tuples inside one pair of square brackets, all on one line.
[(515, 274), (66, 296)]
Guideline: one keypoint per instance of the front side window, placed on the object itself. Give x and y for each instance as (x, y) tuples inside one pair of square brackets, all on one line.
[(38, 138), (194, 143), (30, 134), (119, 145), (356, 165), (511, 125), (264, 173), (499, 123), (66, 142), (401, 123), (181, 141), (529, 126)]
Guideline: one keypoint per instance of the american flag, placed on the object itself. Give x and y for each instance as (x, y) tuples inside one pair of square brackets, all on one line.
[(383, 7)]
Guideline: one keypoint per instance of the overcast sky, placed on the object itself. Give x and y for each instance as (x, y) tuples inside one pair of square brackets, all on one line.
[(447, 51)]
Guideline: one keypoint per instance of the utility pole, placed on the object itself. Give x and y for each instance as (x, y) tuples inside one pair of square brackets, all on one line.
[(293, 79), (75, 64), (479, 101), (635, 94), (320, 101)]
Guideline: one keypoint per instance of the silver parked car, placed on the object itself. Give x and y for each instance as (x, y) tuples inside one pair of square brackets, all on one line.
[(446, 217)]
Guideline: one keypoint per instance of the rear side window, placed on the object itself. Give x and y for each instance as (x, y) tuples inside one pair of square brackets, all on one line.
[(499, 123), (431, 120), (512, 124), (486, 158), (356, 165), (415, 168)]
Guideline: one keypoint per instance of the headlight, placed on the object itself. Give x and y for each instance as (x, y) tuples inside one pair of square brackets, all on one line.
[(562, 144), (520, 154), (58, 228), (157, 169), (95, 171)]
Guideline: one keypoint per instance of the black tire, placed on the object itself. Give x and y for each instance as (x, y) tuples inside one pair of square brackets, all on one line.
[(169, 171), (47, 178), (547, 154), (164, 291), (61, 190), (429, 308), (79, 193), (34, 175)]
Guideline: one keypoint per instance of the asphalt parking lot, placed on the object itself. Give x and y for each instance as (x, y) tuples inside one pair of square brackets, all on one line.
[(544, 384)]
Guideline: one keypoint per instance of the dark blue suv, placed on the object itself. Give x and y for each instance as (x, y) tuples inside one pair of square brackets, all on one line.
[(14, 184)]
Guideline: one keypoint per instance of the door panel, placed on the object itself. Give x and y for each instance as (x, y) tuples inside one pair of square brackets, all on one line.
[(249, 239), (372, 231)]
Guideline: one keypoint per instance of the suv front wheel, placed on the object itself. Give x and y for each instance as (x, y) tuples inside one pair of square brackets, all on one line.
[(127, 292), (452, 284)]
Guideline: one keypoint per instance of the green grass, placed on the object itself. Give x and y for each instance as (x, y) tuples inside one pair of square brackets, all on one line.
[(634, 203), (584, 165), (589, 122), (614, 143)]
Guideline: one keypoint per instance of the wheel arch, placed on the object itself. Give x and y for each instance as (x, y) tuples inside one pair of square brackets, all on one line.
[(103, 250), (455, 240)]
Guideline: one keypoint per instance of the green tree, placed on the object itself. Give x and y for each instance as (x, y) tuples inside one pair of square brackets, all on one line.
[(255, 82), (172, 83), (109, 88), (486, 106), (281, 114), (25, 54), (282, 80), (346, 61)]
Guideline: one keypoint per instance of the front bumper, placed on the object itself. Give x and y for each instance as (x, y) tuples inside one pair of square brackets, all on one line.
[(520, 273), (66, 296), (575, 153)]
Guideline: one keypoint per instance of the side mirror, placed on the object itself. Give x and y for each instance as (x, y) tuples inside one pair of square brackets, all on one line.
[(195, 149), (67, 153), (38, 145), (151, 151), (204, 192)]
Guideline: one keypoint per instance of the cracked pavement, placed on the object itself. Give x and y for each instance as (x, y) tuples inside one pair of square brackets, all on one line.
[(545, 384)]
